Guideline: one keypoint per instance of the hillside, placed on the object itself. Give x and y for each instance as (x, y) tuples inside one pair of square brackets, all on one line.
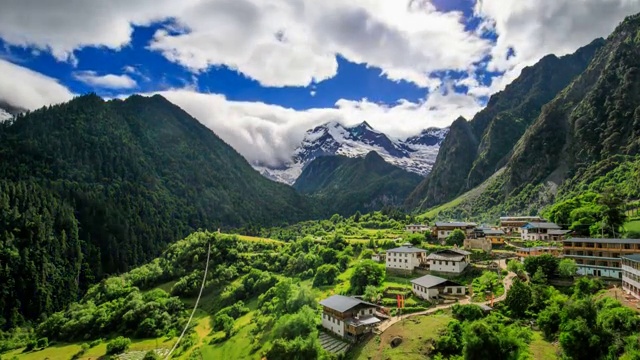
[(90, 188), (347, 185), (585, 127), (473, 151)]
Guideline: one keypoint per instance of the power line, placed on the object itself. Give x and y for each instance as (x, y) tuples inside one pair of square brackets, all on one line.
[(204, 279)]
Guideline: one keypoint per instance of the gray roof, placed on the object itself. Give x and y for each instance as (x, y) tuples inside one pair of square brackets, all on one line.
[(430, 281), (541, 225), (558, 232), (632, 257), (493, 232), (343, 303), (363, 320), (406, 249), (539, 248), (605, 241), (454, 224), (485, 307), (449, 254), (459, 251), (516, 218)]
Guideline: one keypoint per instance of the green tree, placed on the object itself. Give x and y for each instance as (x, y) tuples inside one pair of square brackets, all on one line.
[(549, 321), (518, 298), (118, 345), (42, 343), (366, 272), (151, 355), (326, 275), (578, 341), (548, 263), (469, 312), (539, 277), (567, 268), (456, 237), (613, 212), (372, 294), (515, 266)]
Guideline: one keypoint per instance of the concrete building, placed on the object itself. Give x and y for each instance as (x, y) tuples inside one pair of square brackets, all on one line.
[(416, 228), (348, 317), (379, 257), (444, 229), (600, 257), (481, 243), (558, 235), (513, 224), (631, 274), (537, 231), (406, 258), (539, 250), (429, 287), (449, 261)]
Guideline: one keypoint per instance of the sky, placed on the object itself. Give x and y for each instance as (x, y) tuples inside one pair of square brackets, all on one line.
[(259, 73)]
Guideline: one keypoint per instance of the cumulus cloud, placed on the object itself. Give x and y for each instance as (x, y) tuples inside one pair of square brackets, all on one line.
[(27, 89), (276, 42), (534, 29), (107, 81), (268, 134)]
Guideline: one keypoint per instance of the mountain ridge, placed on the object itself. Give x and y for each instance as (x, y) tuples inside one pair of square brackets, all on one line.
[(415, 154)]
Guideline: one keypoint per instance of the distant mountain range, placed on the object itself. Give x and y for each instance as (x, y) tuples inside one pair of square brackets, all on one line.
[(416, 154)]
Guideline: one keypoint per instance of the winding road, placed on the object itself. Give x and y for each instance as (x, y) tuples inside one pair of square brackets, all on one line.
[(508, 280)]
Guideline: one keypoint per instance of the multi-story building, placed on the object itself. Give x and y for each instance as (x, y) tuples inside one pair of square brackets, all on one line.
[(406, 258), (449, 261), (600, 257), (429, 287), (348, 317), (631, 274), (538, 250), (514, 224), (538, 230), (444, 229), (414, 228), (481, 243)]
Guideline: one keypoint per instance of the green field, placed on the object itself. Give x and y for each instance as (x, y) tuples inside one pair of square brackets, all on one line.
[(417, 335), (633, 226), (542, 349)]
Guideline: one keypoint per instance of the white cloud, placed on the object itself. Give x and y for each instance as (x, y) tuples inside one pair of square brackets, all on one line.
[(534, 29), (277, 42), (107, 81), (27, 89), (268, 134)]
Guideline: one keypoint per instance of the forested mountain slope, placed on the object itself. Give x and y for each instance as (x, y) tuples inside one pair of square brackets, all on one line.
[(346, 185), (472, 152), (595, 118), (90, 188)]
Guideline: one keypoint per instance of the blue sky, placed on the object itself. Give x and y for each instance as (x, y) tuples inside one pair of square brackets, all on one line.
[(261, 72)]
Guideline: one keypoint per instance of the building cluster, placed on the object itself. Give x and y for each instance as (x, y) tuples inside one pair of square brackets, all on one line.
[(408, 258)]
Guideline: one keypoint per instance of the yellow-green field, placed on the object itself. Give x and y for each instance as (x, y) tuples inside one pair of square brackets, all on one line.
[(417, 333), (542, 349), (632, 225)]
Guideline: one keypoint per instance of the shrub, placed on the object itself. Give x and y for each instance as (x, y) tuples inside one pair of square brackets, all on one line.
[(30, 345), (118, 345), (95, 343), (151, 355), (42, 343)]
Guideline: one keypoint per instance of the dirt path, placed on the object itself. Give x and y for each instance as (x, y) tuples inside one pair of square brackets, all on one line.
[(508, 280)]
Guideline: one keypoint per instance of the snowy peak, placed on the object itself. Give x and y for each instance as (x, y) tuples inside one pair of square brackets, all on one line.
[(429, 137), (416, 154)]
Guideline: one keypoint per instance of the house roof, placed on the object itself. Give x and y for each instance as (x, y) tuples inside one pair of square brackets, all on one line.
[(418, 225), (430, 281), (493, 232), (604, 241), (541, 225), (454, 224), (363, 320), (632, 257), (449, 255), (343, 303), (558, 232), (538, 248), (516, 218), (406, 248), (485, 307)]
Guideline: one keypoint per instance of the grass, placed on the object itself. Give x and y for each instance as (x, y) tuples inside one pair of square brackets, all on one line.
[(632, 225), (542, 349), (66, 351), (417, 333), (260, 239)]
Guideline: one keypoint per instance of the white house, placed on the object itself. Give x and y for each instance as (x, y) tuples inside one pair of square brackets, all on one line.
[(414, 228), (379, 257), (444, 229), (406, 257), (536, 231), (429, 287), (348, 317), (449, 261)]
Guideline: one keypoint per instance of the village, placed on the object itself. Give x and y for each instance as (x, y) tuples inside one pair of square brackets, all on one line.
[(432, 271)]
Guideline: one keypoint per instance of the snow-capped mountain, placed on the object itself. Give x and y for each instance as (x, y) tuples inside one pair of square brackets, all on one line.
[(416, 154)]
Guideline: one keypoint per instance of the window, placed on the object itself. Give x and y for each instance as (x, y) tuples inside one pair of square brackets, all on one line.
[(406, 261), (459, 290)]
